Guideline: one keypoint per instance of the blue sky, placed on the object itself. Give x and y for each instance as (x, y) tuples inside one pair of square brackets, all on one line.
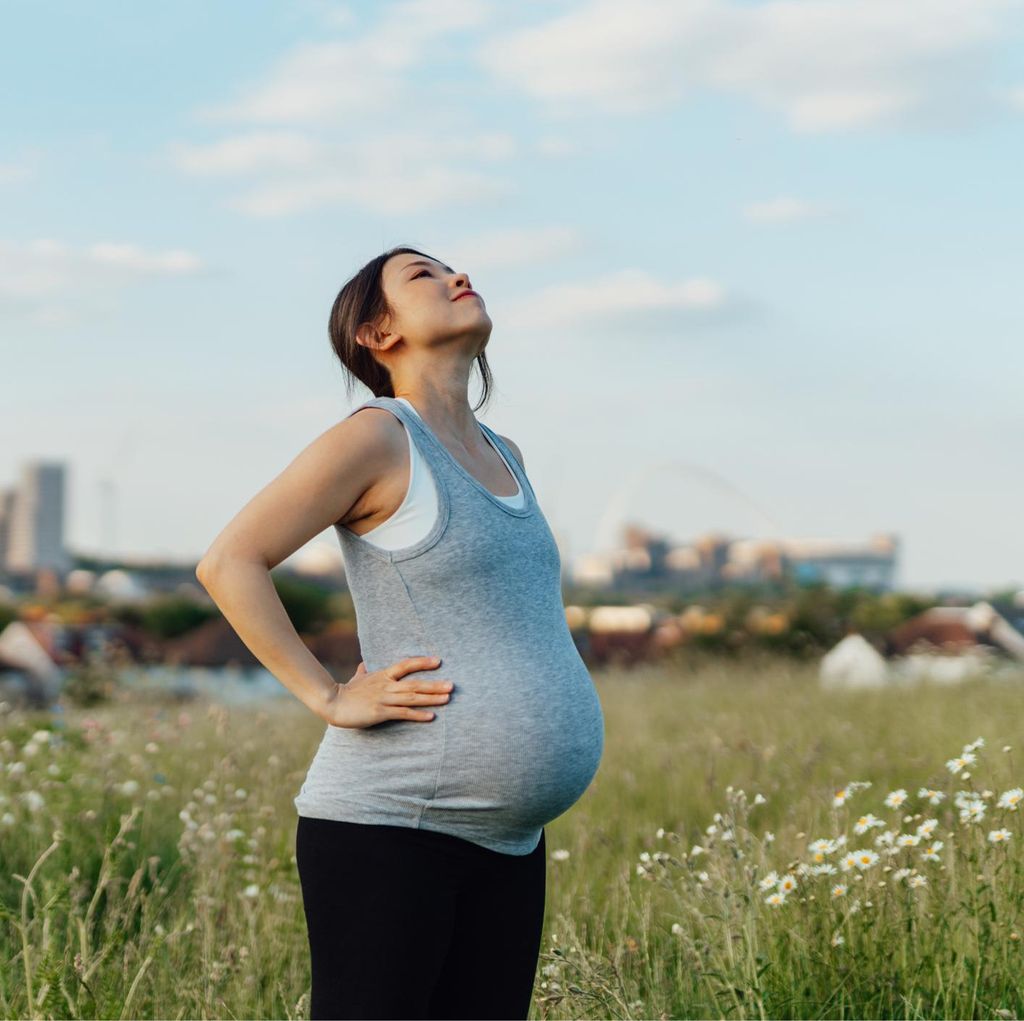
[(774, 243)]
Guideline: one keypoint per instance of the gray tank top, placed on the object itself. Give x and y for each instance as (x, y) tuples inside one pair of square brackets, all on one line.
[(522, 735)]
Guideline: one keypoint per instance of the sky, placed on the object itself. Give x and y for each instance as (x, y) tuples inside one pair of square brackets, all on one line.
[(753, 267)]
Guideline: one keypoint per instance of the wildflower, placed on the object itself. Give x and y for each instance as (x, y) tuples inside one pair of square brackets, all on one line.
[(844, 793), (644, 855), (934, 797), (900, 874), (252, 890), (660, 833), (769, 880), (865, 822), (972, 811), (702, 876), (838, 939), (957, 764), (727, 835), (865, 858), (916, 881), (821, 846), (776, 899), (839, 890), (896, 798), (560, 854), (848, 861), (826, 869), (677, 929), (34, 800), (787, 884), (1011, 798), (978, 742), (711, 830), (769, 837), (926, 828), (908, 840), (759, 799), (695, 850), (998, 836), (931, 852)]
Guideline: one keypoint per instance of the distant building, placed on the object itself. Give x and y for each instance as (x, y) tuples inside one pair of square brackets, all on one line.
[(6, 514), (33, 520), (649, 560)]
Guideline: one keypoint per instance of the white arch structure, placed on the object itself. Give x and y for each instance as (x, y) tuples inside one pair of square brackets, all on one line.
[(617, 507)]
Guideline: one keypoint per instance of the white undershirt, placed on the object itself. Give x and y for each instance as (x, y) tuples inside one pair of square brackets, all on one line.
[(417, 513)]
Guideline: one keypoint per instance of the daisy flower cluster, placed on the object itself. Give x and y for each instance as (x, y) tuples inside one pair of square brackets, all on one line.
[(898, 846)]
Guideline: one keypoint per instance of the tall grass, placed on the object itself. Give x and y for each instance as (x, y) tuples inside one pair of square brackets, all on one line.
[(148, 856)]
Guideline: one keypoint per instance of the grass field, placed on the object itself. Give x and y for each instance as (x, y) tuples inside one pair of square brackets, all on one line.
[(148, 866)]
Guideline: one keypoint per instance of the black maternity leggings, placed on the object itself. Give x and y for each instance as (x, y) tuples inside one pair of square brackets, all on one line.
[(409, 923)]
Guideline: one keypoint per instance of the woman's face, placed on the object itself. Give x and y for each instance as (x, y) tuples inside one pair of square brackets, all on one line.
[(426, 296)]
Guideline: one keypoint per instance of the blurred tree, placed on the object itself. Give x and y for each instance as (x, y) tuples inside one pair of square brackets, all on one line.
[(307, 604), (171, 616)]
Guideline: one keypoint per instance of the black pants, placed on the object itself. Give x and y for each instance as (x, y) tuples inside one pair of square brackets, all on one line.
[(409, 923)]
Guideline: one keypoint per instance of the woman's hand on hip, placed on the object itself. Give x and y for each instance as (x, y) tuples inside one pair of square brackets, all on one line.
[(371, 698)]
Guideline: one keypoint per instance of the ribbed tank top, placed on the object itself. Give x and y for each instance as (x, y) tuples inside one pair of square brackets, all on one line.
[(522, 735)]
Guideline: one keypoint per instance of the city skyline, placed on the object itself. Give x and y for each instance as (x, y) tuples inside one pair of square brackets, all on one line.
[(33, 514)]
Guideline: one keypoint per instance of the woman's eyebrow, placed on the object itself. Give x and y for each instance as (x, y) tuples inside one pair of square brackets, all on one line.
[(420, 262)]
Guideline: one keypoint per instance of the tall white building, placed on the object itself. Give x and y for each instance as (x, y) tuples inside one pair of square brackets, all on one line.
[(34, 523)]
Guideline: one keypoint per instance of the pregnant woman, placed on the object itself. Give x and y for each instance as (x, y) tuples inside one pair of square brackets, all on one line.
[(471, 721)]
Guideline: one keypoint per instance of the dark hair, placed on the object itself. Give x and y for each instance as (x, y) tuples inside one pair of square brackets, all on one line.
[(360, 300)]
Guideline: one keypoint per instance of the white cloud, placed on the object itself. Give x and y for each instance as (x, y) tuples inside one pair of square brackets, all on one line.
[(823, 65), (23, 169), (513, 246), (246, 154), (784, 209), (347, 122), (382, 188), (337, 15), (402, 172), (358, 77), (620, 300), (554, 145), (49, 281), (1015, 97)]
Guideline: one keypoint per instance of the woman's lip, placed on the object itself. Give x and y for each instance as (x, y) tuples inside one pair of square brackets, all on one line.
[(467, 294)]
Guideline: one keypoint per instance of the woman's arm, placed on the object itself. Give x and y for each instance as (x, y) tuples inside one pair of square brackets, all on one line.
[(316, 490)]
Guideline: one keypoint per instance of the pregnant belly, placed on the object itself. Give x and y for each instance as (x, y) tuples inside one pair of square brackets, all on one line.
[(525, 755)]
